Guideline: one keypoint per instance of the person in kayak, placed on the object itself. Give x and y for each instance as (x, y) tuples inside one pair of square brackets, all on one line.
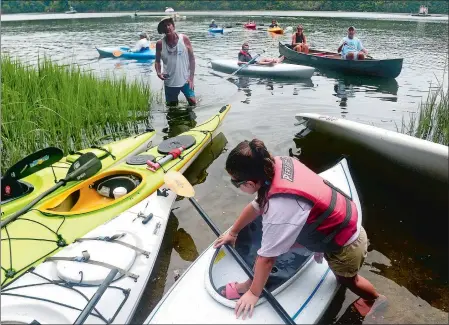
[(274, 23), (297, 208), (176, 52), (143, 44), (213, 24), (299, 41), (244, 57), (351, 47)]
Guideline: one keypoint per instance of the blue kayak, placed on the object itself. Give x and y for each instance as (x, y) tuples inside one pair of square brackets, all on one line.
[(122, 52), (216, 30)]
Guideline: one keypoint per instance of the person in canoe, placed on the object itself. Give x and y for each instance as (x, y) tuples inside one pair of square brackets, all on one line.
[(143, 44), (213, 24), (297, 208), (273, 24), (299, 41), (244, 57), (351, 47), (176, 52)]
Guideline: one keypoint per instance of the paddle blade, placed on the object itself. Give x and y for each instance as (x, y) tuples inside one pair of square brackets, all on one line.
[(176, 182), (117, 53), (32, 163), (87, 165)]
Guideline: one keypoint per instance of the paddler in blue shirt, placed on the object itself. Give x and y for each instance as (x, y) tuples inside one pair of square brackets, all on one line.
[(351, 47)]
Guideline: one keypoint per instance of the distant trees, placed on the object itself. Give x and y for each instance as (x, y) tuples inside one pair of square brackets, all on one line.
[(22, 6)]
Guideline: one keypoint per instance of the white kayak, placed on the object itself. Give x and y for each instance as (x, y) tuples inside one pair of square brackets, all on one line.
[(420, 155), (302, 286), (57, 291), (284, 70)]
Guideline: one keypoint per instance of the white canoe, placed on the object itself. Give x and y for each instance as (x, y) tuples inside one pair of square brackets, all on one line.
[(304, 289), (40, 294), (283, 70), (420, 155)]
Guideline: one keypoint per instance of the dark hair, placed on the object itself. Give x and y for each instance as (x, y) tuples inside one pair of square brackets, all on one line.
[(251, 161)]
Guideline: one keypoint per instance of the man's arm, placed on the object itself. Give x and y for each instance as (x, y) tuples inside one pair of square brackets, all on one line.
[(157, 63), (191, 57), (341, 46)]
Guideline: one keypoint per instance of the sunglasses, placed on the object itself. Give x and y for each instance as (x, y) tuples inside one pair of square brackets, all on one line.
[(237, 183)]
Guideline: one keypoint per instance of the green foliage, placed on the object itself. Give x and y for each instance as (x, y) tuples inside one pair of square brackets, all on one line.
[(64, 107), (16, 6)]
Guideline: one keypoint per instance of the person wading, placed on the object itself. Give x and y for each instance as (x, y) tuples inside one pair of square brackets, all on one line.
[(176, 53)]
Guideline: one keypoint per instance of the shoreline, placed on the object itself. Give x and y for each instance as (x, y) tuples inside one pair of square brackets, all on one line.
[(235, 13)]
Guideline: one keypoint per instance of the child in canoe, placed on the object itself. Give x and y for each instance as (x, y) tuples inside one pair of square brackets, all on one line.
[(297, 207), (244, 57)]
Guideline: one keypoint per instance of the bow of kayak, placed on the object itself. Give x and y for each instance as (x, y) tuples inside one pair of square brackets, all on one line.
[(42, 180), (302, 286), (72, 213), (281, 70)]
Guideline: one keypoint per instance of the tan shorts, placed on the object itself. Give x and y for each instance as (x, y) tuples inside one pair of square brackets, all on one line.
[(348, 261)]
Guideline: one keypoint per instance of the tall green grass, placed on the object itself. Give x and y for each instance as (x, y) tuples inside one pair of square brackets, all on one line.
[(52, 105), (432, 121)]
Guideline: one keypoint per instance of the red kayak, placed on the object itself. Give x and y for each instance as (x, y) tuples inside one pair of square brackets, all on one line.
[(250, 26)]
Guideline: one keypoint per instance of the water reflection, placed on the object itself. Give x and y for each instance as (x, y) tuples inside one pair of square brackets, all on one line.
[(179, 119)]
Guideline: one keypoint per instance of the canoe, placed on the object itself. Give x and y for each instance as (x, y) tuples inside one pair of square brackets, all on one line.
[(387, 68), (33, 185), (283, 70), (58, 221), (122, 51), (303, 287), (133, 249), (276, 30), (216, 30), (421, 155), (250, 26)]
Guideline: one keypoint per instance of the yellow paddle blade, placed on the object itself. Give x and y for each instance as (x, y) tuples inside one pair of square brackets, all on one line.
[(152, 45), (117, 53), (176, 182)]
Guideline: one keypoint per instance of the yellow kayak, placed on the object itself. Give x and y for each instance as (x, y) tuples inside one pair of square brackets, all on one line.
[(60, 220), (28, 188), (276, 30)]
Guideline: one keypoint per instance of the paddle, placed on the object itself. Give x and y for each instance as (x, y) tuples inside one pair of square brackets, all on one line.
[(246, 64), (34, 162), (84, 167), (176, 182)]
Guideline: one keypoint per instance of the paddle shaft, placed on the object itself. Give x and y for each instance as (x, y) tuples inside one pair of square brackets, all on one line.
[(245, 65), (17, 214), (270, 298)]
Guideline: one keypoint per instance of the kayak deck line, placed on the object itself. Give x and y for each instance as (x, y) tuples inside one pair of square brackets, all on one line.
[(304, 305)]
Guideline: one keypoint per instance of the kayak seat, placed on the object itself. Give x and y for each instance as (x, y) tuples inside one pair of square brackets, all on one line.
[(13, 189), (92, 195)]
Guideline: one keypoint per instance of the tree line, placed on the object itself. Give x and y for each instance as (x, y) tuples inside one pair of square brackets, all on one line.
[(400, 6)]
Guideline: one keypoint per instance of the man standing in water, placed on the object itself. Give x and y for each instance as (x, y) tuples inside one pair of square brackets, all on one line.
[(179, 63)]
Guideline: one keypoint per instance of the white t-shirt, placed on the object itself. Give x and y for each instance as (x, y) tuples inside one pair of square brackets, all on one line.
[(142, 43), (352, 45), (283, 221)]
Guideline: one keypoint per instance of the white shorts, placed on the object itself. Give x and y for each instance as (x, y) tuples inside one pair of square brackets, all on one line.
[(355, 55)]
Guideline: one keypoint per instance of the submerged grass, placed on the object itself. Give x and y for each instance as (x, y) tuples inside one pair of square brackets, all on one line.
[(65, 107), (432, 121)]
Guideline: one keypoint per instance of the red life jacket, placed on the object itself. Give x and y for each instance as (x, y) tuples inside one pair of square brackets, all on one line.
[(333, 218), (246, 54)]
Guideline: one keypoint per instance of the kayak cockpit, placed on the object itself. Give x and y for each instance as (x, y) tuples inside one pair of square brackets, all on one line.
[(223, 269), (96, 193)]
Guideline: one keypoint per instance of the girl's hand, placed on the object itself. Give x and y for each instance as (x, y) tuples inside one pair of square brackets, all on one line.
[(246, 305), (225, 239)]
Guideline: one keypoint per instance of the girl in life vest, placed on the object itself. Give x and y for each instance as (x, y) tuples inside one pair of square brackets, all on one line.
[(297, 207)]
